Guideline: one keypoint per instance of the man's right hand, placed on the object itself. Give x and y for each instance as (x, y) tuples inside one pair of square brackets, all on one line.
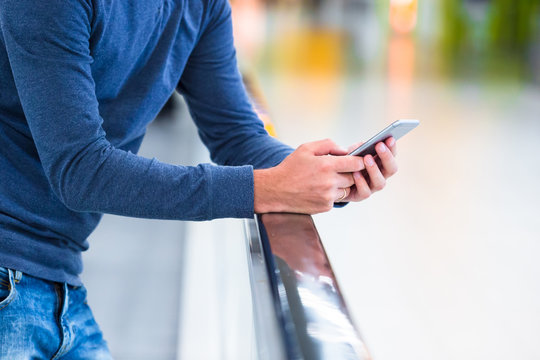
[(307, 181)]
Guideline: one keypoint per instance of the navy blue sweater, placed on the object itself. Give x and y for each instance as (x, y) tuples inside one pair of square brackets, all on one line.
[(79, 82)]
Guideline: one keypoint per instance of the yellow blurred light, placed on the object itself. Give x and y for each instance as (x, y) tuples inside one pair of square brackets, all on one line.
[(403, 15), (313, 52), (402, 2)]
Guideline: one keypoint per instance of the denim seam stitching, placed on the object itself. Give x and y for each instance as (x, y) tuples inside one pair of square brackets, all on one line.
[(68, 346), (61, 349)]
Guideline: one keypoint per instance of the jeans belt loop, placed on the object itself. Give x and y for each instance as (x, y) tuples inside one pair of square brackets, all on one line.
[(18, 276)]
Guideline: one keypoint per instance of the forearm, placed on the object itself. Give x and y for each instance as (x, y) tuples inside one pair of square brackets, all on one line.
[(249, 145), (109, 180)]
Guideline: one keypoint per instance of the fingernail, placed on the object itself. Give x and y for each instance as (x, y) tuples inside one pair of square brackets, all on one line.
[(382, 148), (391, 142), (369, 160)]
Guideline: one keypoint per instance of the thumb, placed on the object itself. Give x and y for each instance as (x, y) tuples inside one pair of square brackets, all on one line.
[(354, 146), (326, 147)]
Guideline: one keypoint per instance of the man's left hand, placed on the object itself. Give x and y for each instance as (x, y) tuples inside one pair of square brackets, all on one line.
[(378, 169)]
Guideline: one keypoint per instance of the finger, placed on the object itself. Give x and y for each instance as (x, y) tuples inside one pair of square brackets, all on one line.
[(376, 178), (391, 144), (325, 147), (342, 194), (347, 163), (387, 160), (354, 146), (339, 151), (345, 180), (361, 188)]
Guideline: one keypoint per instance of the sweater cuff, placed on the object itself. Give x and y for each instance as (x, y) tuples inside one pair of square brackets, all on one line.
[(232, 192)]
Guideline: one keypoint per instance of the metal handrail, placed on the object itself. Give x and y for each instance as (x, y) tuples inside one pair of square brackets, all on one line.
[(299, 311)]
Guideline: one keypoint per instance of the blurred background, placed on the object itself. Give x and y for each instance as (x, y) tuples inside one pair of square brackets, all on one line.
[(442, 264)]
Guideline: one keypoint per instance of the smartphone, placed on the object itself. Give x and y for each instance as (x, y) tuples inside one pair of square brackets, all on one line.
[(396, 130)]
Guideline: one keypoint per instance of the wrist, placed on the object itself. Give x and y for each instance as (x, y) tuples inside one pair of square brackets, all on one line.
[(265, 194)]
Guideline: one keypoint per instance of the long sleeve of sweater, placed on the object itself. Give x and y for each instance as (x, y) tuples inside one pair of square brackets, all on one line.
[(48, 47)]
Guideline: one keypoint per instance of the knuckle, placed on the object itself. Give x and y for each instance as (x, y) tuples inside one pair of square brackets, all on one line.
[(359, 163), (326, 166), (385, 158), (365, 193), (329, 206), (328, 185), (380, 185), (329, 142), (349, 162), (355, 164), (328, 198)]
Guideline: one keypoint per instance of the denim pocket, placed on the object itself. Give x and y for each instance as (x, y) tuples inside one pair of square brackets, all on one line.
[(7, 288)]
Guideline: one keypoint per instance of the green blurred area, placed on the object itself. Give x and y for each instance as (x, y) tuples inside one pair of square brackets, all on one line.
[(498, 38)]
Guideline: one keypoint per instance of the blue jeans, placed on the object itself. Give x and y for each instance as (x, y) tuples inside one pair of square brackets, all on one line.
[(42, 319)]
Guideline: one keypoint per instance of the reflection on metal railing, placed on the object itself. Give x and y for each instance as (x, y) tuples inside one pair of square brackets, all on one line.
[(299, 312)]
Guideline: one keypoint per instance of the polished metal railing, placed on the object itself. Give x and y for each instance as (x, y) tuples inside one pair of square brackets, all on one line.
[(298, 309)]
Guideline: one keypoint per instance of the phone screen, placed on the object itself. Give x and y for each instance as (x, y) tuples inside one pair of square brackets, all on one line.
[(396, 130)]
